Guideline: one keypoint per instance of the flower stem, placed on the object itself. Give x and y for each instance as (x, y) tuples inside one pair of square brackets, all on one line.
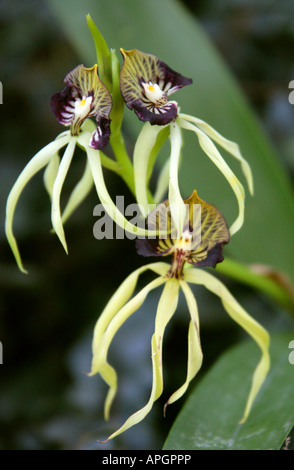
[(275, 289)]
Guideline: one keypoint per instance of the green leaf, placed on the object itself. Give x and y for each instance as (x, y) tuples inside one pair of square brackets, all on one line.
[(166, 29), (210, 418)]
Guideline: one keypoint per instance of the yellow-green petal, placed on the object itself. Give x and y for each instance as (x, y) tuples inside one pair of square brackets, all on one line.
[(57, 188), (166, 308), (39, 161), (142, 151), (79, 193), (50, 173), (227, 144), (212, 152), (251, 326), (102, 344), (108, 204), (195, 355), (177, 206)]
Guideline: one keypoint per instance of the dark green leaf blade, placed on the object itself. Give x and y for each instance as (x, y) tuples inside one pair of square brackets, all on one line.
[(210, 418)]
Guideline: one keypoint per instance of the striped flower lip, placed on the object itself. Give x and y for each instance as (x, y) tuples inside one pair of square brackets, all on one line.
[(204, 234), (146, 83), (83, 97)]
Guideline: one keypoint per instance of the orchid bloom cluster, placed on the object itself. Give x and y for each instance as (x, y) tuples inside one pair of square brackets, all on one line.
[(194, 239)]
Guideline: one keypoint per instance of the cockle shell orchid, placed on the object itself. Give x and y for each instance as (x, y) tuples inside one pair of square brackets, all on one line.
[(84, 96), (146, 83), (186, 269)]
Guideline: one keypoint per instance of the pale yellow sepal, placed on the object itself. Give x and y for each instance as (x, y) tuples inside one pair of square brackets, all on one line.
[(212, 152), (195, 355), (142, 151), (108, 204), (79, 193), (39, 161), (177, 206), (50, 173), (251, 326), (165, 310), (57, 188), (112, 317), (230, 146)]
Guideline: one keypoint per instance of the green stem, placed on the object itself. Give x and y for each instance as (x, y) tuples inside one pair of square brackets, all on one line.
[(242, 273), (122, 157), (126, 167)]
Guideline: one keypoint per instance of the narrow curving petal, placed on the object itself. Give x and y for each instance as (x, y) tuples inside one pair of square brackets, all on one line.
[(251, 326), (109, 376), (39, 161), (103, 342), (226, 144), (79, 193), (142, 151), (212, 152), (57, 188), (106, 201), (50, 173), (115, 304), (100, 351), (177, 206), (121, 296), (195, 355), (165, 310)]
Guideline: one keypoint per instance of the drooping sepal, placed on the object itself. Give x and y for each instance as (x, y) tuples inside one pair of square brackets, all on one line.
[(146, 83), (83, 97)]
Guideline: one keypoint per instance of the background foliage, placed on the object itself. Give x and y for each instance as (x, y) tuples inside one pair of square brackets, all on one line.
[(46, 400)]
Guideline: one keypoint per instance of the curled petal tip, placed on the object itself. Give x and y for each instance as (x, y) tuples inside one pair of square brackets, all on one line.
[(103, 442)]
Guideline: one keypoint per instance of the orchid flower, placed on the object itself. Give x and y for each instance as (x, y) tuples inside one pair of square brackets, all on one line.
[(189, 254), (146, 84), (83, 97)]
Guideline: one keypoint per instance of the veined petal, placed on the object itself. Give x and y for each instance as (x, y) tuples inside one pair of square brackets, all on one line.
[(177, 206), (142, 151), (109, 206), (57, 188), (166, 308), (212, 152), (228, 145), (84, 96), (50, 173), (79, 193), (251, 326), (195, 355), (146, 82), (39, 161)]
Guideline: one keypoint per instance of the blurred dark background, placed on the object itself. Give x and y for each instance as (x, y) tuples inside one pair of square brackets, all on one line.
[(46, 399)]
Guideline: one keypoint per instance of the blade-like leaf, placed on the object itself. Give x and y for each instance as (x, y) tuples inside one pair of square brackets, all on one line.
[(210, 418)]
